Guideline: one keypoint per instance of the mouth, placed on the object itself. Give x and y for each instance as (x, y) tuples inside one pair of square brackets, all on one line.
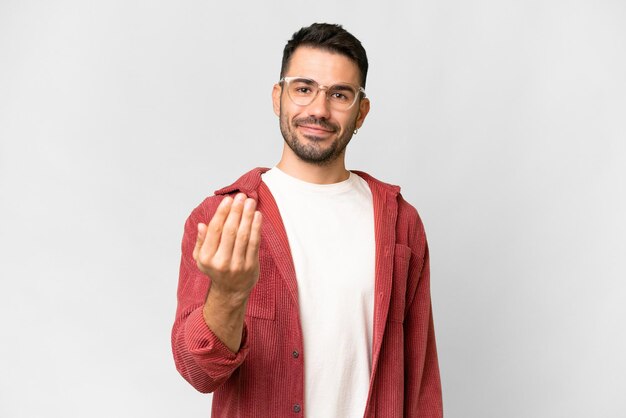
[(315, 130)]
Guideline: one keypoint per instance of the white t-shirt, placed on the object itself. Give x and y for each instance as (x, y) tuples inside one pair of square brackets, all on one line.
[(330, 228)]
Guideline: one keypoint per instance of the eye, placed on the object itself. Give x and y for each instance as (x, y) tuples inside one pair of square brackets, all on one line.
[(302, 88), (339, 96)]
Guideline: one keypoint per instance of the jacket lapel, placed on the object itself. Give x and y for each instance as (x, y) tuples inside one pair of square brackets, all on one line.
[(274, 234), (385, 214)]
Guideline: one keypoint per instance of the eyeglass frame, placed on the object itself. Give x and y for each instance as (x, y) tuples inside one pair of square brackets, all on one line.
[(360, 91)]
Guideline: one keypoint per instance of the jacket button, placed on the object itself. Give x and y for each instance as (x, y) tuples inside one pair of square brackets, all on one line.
[(297, 408), (295, 354)]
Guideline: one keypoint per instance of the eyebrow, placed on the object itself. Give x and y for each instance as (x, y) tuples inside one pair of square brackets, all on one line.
[(304, 80), (342, 87)]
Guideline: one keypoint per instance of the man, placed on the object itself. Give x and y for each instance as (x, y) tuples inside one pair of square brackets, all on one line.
[(304, 289)]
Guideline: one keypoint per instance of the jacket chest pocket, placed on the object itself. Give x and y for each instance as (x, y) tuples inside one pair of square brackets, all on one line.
[(401, 262), (262, 301)]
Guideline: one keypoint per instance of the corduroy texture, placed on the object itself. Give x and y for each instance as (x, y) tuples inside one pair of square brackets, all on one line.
[(266, 377)]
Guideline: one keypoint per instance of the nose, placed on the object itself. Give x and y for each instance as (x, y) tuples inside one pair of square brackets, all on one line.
[(320, 106)]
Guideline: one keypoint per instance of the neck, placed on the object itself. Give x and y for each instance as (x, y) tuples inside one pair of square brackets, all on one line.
[(333, 172)]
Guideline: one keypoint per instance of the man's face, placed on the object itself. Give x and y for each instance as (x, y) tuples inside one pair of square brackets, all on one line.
[(317, 133)]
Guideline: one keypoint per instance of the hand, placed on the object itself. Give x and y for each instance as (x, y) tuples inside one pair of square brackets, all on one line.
[(227, 249)]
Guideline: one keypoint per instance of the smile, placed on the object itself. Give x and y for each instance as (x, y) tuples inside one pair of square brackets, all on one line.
[(315, 129)]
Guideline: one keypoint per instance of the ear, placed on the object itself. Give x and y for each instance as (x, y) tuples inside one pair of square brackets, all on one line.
[(364, 109), (276, 92)]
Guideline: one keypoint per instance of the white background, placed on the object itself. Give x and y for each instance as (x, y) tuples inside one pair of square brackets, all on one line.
[(503, 121)]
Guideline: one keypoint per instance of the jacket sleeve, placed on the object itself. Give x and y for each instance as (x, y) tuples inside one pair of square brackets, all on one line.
[(200, 357), (423, 397)]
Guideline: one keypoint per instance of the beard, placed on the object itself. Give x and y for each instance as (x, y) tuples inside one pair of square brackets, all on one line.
[(312, 150)]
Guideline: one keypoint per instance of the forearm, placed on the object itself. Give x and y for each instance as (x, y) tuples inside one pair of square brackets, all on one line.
[(200, 356), (224, 314)]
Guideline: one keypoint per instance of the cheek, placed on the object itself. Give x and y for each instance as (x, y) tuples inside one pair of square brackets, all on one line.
[(286, 112), (348, 121), (286, 120)]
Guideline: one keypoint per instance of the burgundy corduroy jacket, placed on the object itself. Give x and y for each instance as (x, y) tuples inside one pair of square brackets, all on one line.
[(266, 377)]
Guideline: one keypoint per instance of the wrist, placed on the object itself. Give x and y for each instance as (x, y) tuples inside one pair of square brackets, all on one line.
[(226, 298)]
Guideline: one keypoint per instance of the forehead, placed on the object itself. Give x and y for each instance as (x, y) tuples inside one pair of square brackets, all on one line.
[(323, 66)]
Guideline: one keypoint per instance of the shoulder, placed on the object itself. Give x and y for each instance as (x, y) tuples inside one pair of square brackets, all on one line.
[(405, 209), (376, 183), (248, 183), (409, 225)]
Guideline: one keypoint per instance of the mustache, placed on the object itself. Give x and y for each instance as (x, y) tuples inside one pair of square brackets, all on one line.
[(323, 123)]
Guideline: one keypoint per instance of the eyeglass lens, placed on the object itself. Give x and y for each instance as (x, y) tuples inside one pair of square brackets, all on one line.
[(303, 91)]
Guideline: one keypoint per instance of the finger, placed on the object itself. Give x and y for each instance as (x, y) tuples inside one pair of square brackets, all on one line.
[(229, 232), (243, 234), (252, 252), (199, 240), (215, 227)]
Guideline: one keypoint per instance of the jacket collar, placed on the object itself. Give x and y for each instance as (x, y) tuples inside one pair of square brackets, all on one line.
[(249, 183)]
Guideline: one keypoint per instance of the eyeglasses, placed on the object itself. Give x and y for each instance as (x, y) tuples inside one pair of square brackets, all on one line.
[(302, 91)]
